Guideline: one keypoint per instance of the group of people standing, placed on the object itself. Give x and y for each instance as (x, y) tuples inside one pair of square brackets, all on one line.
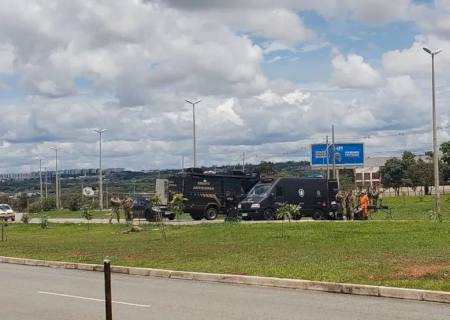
[(355, 205)]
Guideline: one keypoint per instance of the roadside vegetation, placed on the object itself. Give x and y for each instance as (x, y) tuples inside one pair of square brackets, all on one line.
[(412, 254), (413, 207)]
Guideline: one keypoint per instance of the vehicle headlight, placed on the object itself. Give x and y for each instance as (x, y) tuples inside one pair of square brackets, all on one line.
[(239, 206), (255, 206)]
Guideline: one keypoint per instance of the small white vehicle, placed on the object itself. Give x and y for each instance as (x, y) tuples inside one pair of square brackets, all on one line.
[(7, 213)]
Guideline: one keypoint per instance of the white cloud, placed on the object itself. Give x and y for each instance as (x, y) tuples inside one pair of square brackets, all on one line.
[(6, 59), (352, 72), (129, 65), (402, 86), (415, 61)]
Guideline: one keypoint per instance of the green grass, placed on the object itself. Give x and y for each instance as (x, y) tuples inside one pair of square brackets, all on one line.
[(414, 207), (372, 252), (96, 214)]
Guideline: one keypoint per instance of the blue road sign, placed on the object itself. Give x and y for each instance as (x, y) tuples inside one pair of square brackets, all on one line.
[(347, 154)]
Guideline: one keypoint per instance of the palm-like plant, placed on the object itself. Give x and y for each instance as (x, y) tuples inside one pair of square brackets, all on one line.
[(287, 212)]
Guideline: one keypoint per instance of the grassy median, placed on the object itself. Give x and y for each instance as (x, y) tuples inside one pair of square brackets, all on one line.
[(412, 254)]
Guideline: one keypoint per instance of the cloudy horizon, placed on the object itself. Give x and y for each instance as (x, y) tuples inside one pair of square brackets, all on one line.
[(272, 76)]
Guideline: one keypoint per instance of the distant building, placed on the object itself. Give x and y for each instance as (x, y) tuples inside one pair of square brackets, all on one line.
[(370, 174)]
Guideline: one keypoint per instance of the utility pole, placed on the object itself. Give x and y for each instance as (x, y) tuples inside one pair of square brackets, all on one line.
[(194, 146), (40, 182), (46, 182), (437, 204), (100, 171), (182, 164), (327, 155), (334, 152), (243, 162), (56, 177)]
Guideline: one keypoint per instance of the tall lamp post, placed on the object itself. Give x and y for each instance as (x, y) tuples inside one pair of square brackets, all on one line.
[(194, 147), (56, 177), (100, 171), (40, 183), (437, 205)]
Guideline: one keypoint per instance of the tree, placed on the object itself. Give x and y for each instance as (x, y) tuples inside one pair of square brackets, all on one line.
[(392, 174), (421, 174), (408, 159), (445, 161), (408, 163), (265, 167)]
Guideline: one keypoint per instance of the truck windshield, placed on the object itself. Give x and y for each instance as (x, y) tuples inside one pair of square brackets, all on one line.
[(259, 190)]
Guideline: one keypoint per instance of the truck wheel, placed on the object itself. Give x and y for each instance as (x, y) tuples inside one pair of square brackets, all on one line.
[(171, 216), (298, 216), (317, 215), (269, 214), (211, 213)]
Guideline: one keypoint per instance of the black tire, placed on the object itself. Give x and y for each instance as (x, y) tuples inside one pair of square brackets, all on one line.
[(269, 214), (317, 215), (171, 216), (211, 213), (297, 216)]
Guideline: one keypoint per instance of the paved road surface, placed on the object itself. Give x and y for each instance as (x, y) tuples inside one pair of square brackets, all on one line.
[(34, 293)]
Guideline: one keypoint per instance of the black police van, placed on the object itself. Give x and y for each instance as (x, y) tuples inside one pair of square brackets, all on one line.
[(316, 196), (206, 194)]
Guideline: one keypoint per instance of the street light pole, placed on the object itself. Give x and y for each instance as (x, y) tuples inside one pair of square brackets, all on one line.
[(56, 177), (194, 147), (100, 171), (437, 205), (40, 182)]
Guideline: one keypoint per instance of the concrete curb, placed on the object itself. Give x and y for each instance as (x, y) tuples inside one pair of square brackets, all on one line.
[(346, 288)]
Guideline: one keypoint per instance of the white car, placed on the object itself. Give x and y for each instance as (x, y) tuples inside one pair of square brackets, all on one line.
[(6, 212)]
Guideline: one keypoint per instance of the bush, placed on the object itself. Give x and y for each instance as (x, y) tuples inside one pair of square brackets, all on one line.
[(47, 205), (44, 222), (25, 218), (176, 205), (72, 201)]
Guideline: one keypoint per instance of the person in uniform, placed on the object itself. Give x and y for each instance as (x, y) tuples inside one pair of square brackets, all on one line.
[(127, 206), (116, 203), (375, 196), (340, 197), (349, 205)]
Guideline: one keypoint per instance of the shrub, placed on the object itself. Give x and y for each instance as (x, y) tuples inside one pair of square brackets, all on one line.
[(177, 204), (86, 214), (72, 201), (47, 205), (44, 222), (287, 211), (25, 218)]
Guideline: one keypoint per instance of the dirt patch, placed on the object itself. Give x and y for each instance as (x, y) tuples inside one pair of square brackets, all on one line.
[(423, 271)]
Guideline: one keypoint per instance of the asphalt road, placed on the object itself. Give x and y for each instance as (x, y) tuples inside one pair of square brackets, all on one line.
[(53, 294)]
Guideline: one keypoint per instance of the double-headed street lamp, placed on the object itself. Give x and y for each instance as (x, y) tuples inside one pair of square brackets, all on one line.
[(437, 205), (100, 171), (194, 149)]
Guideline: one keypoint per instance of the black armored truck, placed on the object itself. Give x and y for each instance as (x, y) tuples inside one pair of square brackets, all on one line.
[(316, 196), (206, 194)]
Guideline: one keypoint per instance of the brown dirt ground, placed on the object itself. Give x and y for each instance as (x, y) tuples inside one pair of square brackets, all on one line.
[(421, 271)]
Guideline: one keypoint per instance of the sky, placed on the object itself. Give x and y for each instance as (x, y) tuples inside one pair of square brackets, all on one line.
[(272, 77)]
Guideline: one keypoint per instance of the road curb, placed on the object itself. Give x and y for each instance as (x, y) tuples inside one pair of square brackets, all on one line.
[(333, 287)]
